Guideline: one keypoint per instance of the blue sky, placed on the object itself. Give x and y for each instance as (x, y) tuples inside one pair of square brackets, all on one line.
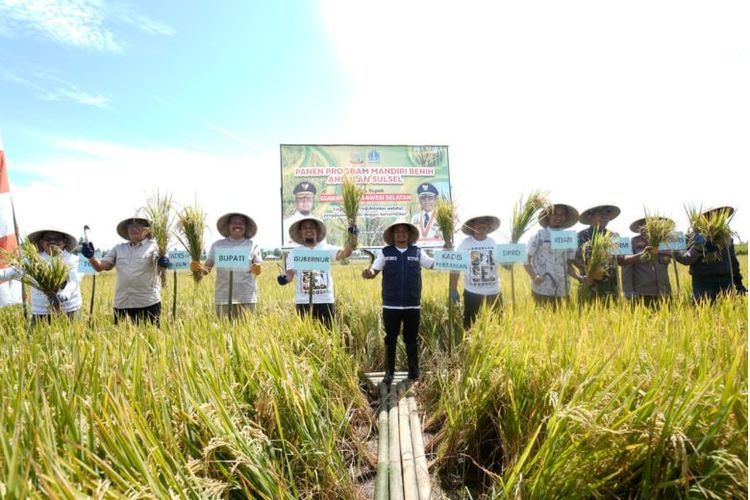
[(642, 104)]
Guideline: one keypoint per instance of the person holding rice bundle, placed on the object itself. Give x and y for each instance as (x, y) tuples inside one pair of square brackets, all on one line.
[(137, 283), (238, 230), (401, 263), (714, 268), (481, 282), (550, 269), (645, 275), (310, 234), (602, 283), (67, 299)]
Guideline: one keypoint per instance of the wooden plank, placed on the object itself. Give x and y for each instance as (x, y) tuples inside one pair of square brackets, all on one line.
[(407, 455), (381, 479), (395, 479), (417, 442)]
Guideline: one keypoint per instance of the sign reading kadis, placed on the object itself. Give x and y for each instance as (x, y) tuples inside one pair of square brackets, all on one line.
[(401, 183)]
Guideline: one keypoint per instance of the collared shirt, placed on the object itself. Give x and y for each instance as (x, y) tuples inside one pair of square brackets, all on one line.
[(244, 284), (137, 283), (552, 265), (645, 279), (427, 225)]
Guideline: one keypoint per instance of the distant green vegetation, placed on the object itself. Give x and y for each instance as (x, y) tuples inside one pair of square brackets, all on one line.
[(598, 402)]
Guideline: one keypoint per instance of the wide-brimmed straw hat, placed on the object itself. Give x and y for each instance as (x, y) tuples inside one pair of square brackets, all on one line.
[(636, 225), (729, 210), (295, 233), (222, 224), (70, 240), (571, 216), (608, 211), (122, 227), (492, 221), (413, 232)]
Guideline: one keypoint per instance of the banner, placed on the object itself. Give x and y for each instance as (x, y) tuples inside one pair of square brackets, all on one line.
[(400, 182), (10, 291)]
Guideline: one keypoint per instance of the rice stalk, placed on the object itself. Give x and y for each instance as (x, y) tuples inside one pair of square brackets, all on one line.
[(46, 275), (159, 212), (657, 230), (715, 227), (524, 211), (447, 219), (191, 222), (596, 254), (352, 195)]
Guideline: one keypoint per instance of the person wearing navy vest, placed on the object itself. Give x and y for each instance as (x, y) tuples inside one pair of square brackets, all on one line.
[(401, 263)]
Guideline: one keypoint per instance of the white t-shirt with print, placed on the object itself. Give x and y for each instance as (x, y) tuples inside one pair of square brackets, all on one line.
[(323, 281), (482, 277)]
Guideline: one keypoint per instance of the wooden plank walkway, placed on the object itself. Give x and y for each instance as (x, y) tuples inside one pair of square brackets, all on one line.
[(402, 465)]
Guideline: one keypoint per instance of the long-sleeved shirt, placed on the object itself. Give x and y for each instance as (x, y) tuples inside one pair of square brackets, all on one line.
[(718, 272)]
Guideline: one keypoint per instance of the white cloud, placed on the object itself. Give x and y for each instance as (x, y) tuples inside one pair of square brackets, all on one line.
[(80, 23), (101, 183), (49, 87), (637, 103)]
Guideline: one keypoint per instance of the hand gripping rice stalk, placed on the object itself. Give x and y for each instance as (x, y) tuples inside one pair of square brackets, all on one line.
[(597, 254), (657, 230), (524, 211), (191, 222), (352, 195), (446, 218), (715, 227), (159, 213), (46, 275)]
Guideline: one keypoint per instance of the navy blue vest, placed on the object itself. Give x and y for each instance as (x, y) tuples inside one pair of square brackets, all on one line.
[(402, 277)]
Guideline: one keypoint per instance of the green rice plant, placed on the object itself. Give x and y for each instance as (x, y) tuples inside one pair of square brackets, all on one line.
[(714, 226), (447, 219), (46, 275), (597, 254), (191, 222), (159, 213), (657, 230), (524, 212), (352, 195)]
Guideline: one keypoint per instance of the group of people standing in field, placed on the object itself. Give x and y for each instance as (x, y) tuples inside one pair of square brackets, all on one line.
[(137, 264)]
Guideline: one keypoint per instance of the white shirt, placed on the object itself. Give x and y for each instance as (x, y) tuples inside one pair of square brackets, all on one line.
[(323, 281), (425, 261), (244, 283), (482, 277)]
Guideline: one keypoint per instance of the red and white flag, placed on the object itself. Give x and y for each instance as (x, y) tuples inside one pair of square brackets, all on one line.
[(10, 291)]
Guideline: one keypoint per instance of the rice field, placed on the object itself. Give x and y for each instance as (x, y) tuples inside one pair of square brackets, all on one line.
[(615, 401)]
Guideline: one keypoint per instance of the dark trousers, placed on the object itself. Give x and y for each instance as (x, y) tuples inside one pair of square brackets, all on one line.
[(392, 321), (148, 314), (710, 292), (322, 312), (473, 302)]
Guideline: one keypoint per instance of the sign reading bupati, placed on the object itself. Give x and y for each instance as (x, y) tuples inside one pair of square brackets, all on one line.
[(448, 260), (400, 182), (511, 252), (563, 240), (310, 260), (232, 257)]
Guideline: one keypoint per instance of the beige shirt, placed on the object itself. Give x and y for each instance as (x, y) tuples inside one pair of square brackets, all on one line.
[(244, 285), (137, 283)]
